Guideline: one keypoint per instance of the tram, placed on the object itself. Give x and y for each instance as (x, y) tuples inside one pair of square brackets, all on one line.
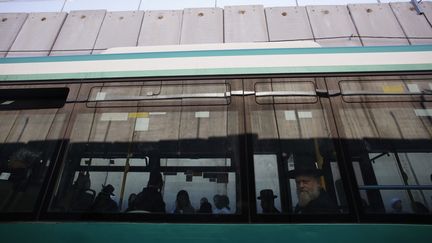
[(226, 124)]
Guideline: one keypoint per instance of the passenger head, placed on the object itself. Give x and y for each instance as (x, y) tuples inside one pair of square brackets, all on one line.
[(182, 200), (419, 208), (307, 178), (155, 180), (205, 206), (308, 188), (217, 201), (108, 190), (83, 181), (131, 200), (203, 200), (396, 204), (224, 201), (267, 200)]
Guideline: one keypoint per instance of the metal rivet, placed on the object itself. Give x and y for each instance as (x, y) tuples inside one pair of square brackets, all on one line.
[(4, 19), (412, 8), (43, 19), (284, 14), (325, 12), (200, 14), (242, 12), (160, 17), (83, 16), (121, 18), (369, 10)]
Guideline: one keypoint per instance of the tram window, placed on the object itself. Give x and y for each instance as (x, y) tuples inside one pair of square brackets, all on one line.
[(114, 161), (159, 94), (190, 148), (199, 186), (402, 181), (295, 91), (31, 129), (292, 143), (389, 141), (267, 183), (386, 90)]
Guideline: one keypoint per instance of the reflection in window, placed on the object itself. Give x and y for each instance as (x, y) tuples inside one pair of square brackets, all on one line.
[(29, 139), (177, 132), (291, 130), (386, 124)]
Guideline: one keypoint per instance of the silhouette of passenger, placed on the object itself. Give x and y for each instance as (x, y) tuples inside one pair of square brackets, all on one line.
[(104, 202), (81, 197), (267, 201), (183, 204), (221, 203), (131, 202), (419, 208), (150, 198), (205, 206)]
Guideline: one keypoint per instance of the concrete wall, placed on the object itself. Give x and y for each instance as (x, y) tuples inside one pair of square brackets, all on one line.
[(92, 31)]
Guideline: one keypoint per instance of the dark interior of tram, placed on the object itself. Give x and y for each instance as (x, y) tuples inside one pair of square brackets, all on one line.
[(24, 192)]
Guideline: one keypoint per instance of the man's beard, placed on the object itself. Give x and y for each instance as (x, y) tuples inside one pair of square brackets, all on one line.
[(306, 196)]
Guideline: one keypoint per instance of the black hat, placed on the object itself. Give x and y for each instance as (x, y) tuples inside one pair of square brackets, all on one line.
[(108, 189), (305, 169), (266, 193)]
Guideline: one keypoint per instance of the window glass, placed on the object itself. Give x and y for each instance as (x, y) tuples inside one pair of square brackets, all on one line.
[(389, 141), (176, 152), (266, 181), (295, 167), (386, 90), (158, 94), (31, 131)]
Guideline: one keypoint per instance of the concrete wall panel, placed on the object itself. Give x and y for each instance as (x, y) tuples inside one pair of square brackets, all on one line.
[(161, 28), (413, 24), (323, 20), (377, 20), (10, 25), (245, 24), (37, 35), (427, 8), (334, 2), (202, 25), (288, 23), (79, 32), (119, 29)]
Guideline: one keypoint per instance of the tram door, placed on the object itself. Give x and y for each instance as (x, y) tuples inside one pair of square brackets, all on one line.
[(187, 131), (385, 123), (291, 129)]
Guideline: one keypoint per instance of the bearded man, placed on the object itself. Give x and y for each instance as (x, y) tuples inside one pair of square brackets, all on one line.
[(312, 198)]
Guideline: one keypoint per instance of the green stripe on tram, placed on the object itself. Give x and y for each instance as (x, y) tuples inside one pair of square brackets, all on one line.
[(222, 71), (213, 53), (212, 233)]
